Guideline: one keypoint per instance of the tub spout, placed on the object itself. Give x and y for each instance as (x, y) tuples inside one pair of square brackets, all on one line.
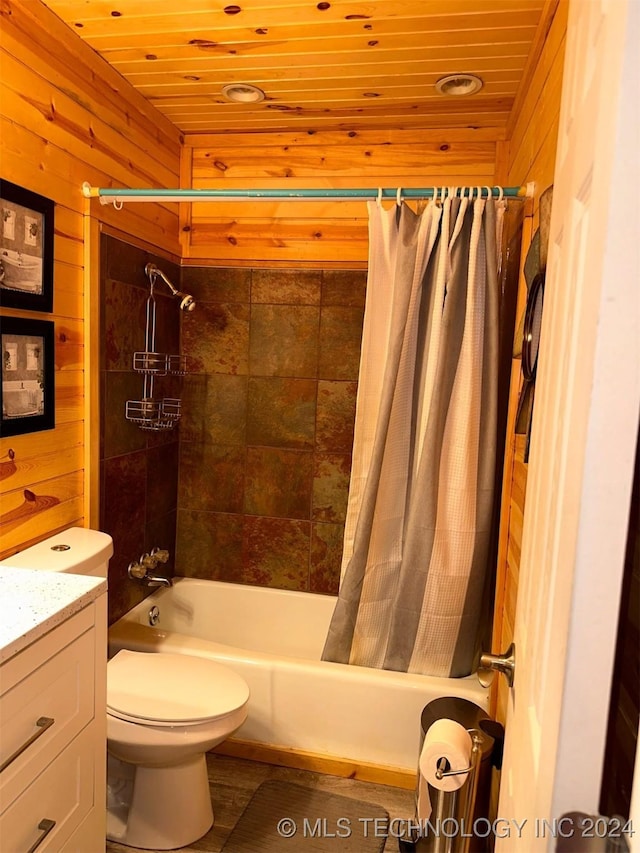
[(158, 580), (140, 572)]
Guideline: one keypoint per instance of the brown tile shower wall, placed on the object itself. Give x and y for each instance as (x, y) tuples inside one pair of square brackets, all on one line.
[(267, 429), (138, 470)]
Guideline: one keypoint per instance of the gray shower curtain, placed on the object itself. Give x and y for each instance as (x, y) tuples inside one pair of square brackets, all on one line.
[(421, 496)]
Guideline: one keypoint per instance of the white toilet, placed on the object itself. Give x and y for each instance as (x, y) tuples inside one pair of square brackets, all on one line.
[(164, 711)]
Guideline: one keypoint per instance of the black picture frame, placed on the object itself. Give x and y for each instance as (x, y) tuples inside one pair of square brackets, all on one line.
[(26, 249), (27, 389)]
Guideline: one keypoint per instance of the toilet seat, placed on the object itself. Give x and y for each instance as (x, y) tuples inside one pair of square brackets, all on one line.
[(164, 689)]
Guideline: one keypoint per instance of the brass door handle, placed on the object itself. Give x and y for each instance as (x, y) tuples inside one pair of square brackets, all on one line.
[(490, 664)]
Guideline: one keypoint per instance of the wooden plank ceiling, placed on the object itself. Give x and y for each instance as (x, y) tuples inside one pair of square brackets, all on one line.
[(331, 65)]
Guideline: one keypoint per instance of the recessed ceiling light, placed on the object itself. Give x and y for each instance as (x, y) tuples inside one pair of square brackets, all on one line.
[(459, 84), (243, 93)]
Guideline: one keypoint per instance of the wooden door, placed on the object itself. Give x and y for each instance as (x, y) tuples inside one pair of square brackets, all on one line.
[(583, 439)]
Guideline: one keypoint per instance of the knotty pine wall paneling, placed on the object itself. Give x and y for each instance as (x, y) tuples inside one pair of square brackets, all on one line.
[(66, 117), (314, 233)]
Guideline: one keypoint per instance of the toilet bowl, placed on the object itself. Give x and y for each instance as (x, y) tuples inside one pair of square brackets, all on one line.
[(164, 711)]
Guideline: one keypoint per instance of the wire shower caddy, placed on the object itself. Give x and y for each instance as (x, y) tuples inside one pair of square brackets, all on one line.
[(150, 413)]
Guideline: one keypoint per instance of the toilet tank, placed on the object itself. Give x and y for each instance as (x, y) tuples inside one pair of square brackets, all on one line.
[(78, 551)]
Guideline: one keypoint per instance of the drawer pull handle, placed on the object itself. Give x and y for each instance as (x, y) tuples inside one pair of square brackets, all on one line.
[(43, 723), (45, 826)]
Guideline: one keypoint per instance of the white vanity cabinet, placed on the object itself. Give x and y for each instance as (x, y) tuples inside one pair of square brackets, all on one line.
[(53, 719)]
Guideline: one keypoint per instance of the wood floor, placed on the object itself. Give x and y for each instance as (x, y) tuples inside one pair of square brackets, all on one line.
[(234, 780)]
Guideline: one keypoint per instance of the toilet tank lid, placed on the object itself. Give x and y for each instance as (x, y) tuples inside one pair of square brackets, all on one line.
[(165, 688), (86, 550)]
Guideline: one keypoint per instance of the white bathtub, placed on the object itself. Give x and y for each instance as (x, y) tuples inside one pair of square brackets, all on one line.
[(274, 639)]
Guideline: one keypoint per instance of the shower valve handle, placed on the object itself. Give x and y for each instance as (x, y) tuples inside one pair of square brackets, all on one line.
[(160, 554), (137, 571), (149, 562)]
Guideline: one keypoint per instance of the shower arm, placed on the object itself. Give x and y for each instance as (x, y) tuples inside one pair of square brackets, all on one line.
[(187, 302), (153, 272)]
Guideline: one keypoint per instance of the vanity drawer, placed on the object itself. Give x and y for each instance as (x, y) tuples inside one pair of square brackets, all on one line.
[(44, 711), (62, 794)]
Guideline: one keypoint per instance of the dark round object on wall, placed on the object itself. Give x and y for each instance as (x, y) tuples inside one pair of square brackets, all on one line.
[(532, 326)]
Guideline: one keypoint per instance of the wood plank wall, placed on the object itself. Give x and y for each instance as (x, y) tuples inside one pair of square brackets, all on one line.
[(67, 117), (325, 233), (528, 156)]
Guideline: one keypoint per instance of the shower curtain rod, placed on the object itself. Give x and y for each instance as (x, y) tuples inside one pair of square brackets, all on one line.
[(118, 196)]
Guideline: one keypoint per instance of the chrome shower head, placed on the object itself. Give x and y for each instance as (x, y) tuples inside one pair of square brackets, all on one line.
[(187, 302)]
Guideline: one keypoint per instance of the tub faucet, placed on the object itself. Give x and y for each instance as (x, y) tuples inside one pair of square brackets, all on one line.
[(141, 570), (157, 580)]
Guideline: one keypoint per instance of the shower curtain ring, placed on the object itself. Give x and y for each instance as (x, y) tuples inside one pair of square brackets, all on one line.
[(501, 193), (489, 192), (379, 199), (117, 204), (399, 196)]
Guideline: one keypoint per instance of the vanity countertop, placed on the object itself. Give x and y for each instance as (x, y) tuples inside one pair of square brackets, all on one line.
[(32, 602)]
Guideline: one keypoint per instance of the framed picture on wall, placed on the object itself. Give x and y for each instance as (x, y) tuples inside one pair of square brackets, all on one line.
[(26, 249), (27, 395)]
